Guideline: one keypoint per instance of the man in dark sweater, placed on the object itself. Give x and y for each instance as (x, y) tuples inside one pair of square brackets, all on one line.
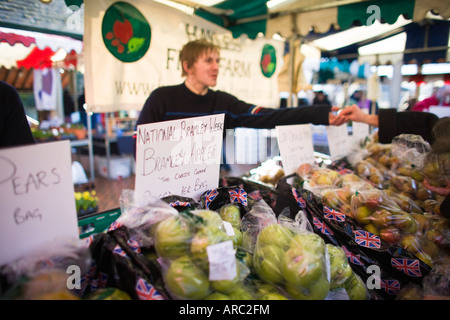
[(14, 127), (200, 66)]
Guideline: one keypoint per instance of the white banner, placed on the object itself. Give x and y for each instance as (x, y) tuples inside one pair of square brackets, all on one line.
[(131, 48)]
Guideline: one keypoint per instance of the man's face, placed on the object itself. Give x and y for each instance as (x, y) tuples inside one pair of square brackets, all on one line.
[(205, 70)]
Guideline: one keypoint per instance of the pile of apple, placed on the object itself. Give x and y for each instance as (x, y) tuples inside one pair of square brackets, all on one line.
[(296, 263), (379, 214), (403, 177)]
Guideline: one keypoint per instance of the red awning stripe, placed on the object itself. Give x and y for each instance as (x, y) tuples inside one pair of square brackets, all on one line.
[(13, 38)]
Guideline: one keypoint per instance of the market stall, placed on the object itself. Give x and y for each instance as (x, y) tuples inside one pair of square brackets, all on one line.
[(356, 224)]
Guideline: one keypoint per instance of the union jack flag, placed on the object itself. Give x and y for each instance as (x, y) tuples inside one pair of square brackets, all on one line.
[(146, 291), (100, 282), (390, 286), (115, 225), (332, 214), (180, 204), (300, 201), (353, 258), (84, 281), (410, 267), (118, 250), (255, 195), (367, 239), (134, 244), (238, 195), (87, 241), (210, 196), (321, 226)]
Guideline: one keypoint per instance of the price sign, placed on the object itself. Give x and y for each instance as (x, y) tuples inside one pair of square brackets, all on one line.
[(339, 141), (37, 202), (296, 146), (179, 157)]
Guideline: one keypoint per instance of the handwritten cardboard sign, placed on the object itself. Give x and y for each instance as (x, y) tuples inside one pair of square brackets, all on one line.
[(179, 157), (339, 141), (296, 146), (37, 203)]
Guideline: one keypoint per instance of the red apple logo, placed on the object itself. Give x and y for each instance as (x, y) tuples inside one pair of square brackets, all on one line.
[(126, 32)]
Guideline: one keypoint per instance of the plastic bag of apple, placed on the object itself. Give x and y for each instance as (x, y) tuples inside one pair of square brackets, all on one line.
[(424, 235), (287, 255)]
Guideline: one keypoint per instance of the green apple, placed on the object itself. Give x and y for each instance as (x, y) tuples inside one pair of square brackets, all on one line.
[(355, 287), (273, 296), (240, 294), (237, 238), (231, 213), (217, 296), (172, 237), (267, 263), (210, 218), (264, 288), (340, 268), (363, 215), (203, 238), (186, 280), (275, 234), (301, 268), (317, 291), (309, 241)]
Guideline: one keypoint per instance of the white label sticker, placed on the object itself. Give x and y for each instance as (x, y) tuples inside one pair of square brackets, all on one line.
[(228, 228), (222, 261)]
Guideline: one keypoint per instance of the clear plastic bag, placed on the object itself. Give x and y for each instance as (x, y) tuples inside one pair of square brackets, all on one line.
[(317, 178), (141, 214), (43, 275), (288, 255), (410, 148)]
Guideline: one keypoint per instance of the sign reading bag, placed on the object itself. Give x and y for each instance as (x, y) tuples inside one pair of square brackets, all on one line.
[(37, 201), (179, 157)]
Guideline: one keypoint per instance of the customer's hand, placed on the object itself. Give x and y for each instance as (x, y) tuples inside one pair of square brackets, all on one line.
[(443, 191), (354, 113)]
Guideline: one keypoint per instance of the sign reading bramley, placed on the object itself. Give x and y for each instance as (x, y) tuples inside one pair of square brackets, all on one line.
[(179, 157)]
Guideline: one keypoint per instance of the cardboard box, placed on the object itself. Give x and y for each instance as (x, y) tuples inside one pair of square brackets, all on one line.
[(120, 167)]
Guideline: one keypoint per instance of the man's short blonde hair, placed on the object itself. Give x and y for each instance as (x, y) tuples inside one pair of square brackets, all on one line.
[(192, 50)]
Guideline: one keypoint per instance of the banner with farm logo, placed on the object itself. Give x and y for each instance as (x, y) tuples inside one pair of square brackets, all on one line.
[(131, 48)]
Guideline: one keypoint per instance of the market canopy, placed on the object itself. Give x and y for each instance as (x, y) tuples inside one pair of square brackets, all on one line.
[(405, 40), (290, 17)]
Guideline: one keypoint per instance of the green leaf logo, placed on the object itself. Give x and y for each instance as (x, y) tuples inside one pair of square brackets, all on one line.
[(268, 62), (126, 32)]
